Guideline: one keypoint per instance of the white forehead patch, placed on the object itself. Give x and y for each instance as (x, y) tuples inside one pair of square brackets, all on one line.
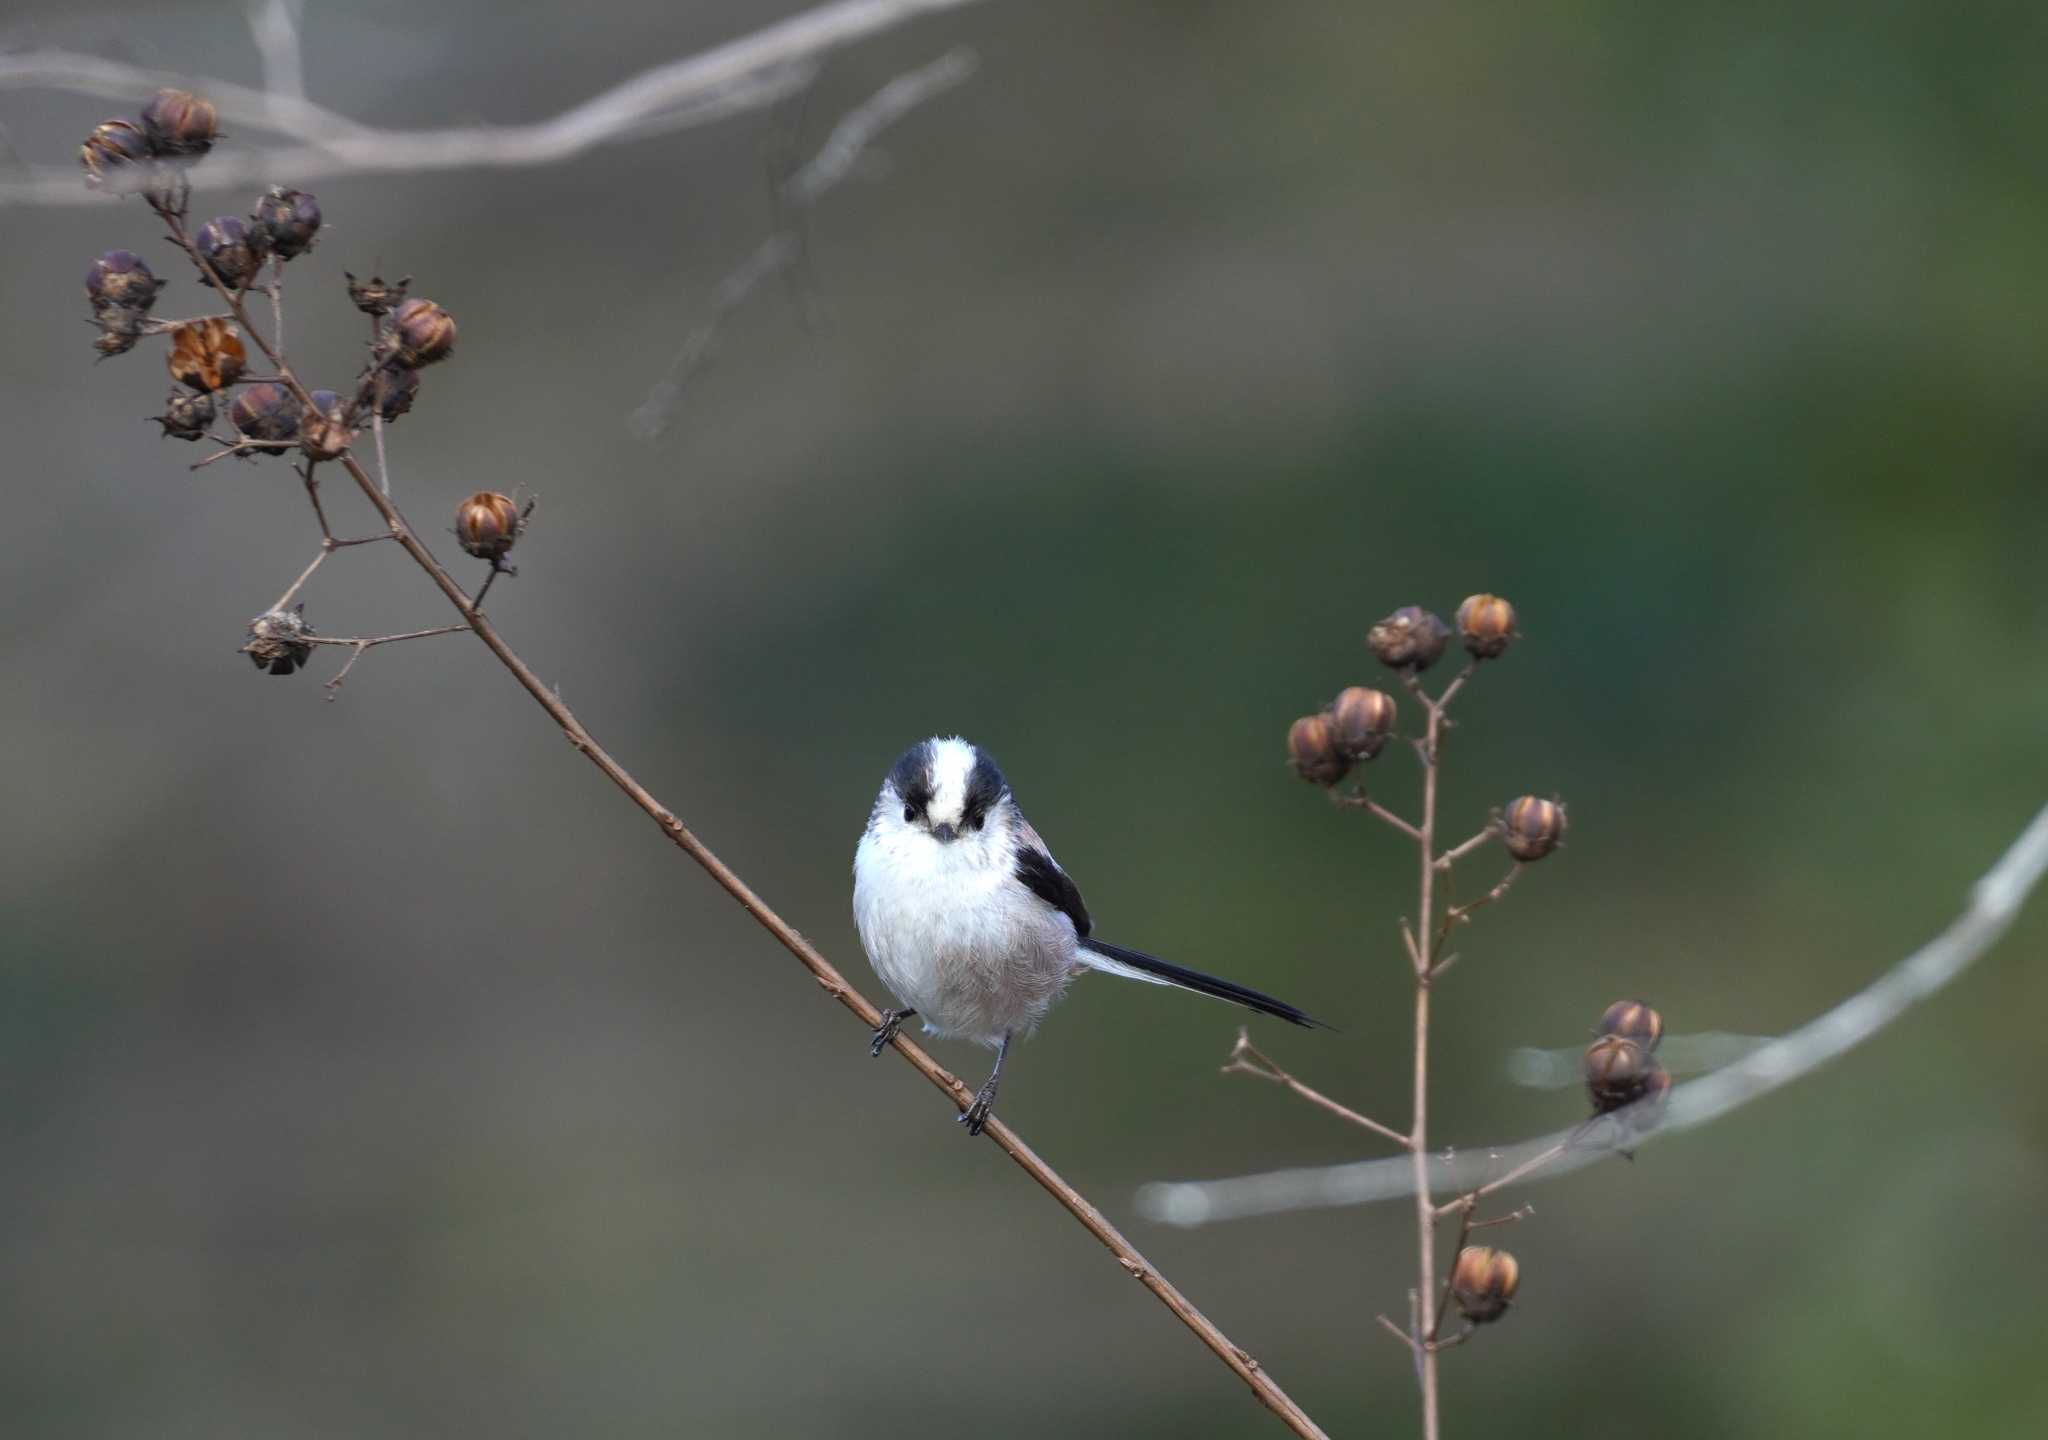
[(952, 762)]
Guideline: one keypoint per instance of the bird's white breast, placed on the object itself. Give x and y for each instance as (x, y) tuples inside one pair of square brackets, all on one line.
[(955, 936)]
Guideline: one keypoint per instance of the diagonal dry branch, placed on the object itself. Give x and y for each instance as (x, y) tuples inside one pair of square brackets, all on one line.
[(1994, 904), (1241, 1363), (741, 75)]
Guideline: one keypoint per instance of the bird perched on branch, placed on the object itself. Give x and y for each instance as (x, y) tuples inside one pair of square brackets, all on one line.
[(969, 920)]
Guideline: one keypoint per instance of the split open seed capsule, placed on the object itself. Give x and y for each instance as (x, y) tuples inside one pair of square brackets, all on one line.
[(179, 123), (487, 525), (1363, 719), (1532, 827), (1410, 639), (1313, 751), (1483, 1282), (1487, 623)]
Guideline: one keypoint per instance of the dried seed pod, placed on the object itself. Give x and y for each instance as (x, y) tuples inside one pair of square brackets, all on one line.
[(1487, 623), (284, 223), (421, 333), (1483, 1282), (119, 280), (179, 123), (1313, 751), (206, 354), (116, 339), (115, 155), (186, 416), (1633, 1020), (487, 525), (389, 390), (1362, 719), (224, 241), (324, 430), (1410, 639), (1614, 1067), (266, 412), (277, 641), (1531, 827), (376, 296), (1648, 1106)]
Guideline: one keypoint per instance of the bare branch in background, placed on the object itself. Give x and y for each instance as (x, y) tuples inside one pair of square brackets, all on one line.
[(833, 163), (274, 26), (741, 75), (1994, 903)]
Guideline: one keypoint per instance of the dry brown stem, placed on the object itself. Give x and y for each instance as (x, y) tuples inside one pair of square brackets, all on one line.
[(1248, 1370)]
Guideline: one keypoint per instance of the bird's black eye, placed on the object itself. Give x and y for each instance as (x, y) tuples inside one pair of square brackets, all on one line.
[(909, 812), (977, 822)]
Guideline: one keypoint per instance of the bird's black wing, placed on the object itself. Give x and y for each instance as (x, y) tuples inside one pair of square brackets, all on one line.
[(1042, 876)]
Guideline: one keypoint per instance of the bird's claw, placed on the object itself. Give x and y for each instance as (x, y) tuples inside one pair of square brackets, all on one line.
[(975, 1116), (891, 1022)]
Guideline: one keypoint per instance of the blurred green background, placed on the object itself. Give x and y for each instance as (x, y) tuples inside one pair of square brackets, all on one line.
[(370, 1068)]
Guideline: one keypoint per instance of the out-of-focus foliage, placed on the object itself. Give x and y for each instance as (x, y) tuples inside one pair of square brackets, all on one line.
[(369, 1068)]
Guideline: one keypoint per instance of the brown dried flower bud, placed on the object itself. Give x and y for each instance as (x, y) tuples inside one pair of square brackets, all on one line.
[(266, 412), (1363, 719), (224, 241), (1313, 751), (1487, 623), (1614, 1067), (1410, 639), (116, 338), (178, 122), (1633, 1020), (1649, 1103), (284, 223), (1483, 1282), (487, 525), (119, 280), (421, 333), (206, 354), (277, 641), (376, 296), (389, 390), (1531, 828), (324, 431), (115, 154), (186, 416)]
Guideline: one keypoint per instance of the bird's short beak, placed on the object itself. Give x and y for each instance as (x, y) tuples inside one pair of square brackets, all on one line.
[(944, 832)]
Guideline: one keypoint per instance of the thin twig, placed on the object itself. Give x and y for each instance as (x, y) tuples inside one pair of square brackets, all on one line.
[(1459, 851), (359, 646), (1359, 800), (1418, 1132), (1247, 1059), (304, 575), (744, 74), (1397, 1332), (834, 984), (1455, 915), (780, 251)]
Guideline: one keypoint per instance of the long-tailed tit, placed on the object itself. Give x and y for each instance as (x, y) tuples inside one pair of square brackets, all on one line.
[(969, 920)]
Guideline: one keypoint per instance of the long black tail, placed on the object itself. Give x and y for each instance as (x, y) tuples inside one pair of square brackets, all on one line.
[(1137, 965)]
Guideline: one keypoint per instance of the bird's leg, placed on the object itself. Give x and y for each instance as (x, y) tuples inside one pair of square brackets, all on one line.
[(975, 1116), (892, 1021)]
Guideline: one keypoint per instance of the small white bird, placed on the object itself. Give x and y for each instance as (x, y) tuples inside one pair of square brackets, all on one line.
[(969, 920)]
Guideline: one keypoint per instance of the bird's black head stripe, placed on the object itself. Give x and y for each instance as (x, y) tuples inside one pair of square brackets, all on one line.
[(985, 786), (911, 776)]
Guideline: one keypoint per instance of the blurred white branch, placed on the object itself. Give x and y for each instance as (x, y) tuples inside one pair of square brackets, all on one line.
[(740, 75), (833, 163), (1994, 902), (274, 26)]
